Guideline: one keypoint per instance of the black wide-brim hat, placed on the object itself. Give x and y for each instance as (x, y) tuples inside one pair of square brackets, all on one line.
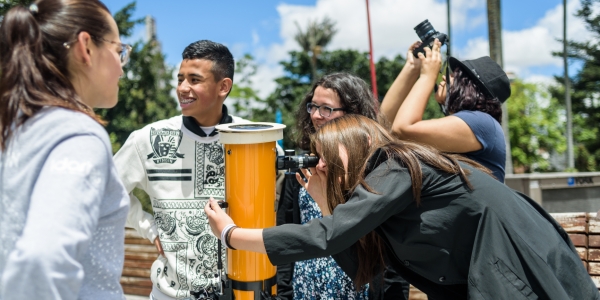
[(487, 74)]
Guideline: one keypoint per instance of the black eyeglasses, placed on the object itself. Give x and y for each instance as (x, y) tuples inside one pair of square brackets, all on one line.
[(123, 53), (324, 111)]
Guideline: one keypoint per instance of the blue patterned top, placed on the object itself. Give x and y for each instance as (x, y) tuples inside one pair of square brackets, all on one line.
[(320, 278)]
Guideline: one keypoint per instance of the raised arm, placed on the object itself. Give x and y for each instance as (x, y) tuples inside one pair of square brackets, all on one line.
[(402, 85), (449, 134)]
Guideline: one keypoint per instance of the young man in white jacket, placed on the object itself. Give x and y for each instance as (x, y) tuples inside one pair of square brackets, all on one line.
[(179, 163)]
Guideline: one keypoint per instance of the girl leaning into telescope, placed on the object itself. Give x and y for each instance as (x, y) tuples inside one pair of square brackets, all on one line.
[(446, 226)]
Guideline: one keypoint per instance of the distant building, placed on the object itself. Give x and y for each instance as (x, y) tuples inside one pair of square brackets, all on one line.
[(152, 39), (150, 28), (151, 33), (511, 76)]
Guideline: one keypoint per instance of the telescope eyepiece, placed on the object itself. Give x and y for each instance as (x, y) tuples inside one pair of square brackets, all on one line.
[(292, 161)]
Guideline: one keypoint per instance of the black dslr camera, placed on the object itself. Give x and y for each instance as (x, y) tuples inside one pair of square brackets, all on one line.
[(293, 161), (428, 34)]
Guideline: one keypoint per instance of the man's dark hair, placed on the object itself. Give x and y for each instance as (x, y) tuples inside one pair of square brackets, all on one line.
[(223, 64)]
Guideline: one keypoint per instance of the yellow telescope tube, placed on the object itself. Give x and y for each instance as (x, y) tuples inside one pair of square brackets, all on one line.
[(250, 175)]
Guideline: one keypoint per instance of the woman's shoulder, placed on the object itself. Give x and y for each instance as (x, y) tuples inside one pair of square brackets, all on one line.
[(56, 123), (382, 161), (478, 119), (473, 114)]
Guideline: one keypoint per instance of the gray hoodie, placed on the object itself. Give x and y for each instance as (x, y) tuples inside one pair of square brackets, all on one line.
[(62, 211)]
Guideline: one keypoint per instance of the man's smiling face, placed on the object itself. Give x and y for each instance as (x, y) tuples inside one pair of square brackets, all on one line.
[(197, 89)]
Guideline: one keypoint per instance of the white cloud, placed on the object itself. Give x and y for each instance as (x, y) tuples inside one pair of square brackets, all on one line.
[(255, 38), (541, 80), (264, 81), (238, 49), (392, 24), (533, 47)]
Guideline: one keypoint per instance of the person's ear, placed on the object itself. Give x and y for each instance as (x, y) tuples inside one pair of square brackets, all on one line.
[(82, 49), (369, 139), (225, 86)]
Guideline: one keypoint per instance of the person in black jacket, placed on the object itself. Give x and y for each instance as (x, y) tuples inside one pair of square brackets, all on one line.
[(447, 226), (332, 96)]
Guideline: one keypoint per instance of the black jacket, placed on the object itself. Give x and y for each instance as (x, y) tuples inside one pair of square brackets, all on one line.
[(288, 212), (485, 243)]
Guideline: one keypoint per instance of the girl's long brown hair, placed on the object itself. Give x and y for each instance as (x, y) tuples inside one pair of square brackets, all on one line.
[(361, 137), (33, 59)]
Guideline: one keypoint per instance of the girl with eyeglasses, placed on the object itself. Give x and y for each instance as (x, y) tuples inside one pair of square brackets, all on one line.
[(62, 205), (331, 97)]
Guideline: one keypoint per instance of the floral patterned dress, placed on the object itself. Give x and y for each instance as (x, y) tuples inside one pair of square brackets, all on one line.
[(321, 278)]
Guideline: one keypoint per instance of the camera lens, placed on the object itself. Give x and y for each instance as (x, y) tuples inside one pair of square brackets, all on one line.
[(424, 30)]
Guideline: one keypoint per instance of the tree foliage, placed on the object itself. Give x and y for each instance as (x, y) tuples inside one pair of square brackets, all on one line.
[(317, 36), (245, 100), (536, 131), (144, 90), (585, 93), (6, 5)]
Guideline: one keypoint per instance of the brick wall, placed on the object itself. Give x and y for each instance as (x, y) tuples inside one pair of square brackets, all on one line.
[(139, 256)]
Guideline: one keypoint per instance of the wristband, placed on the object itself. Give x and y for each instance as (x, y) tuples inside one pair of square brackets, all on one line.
[(224, 233), (228, 238)]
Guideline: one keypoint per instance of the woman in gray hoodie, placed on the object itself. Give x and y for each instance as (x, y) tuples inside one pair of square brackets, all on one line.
[(62, 206)]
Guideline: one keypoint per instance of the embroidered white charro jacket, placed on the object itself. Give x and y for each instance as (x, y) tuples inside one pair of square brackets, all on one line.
[(180, 167)]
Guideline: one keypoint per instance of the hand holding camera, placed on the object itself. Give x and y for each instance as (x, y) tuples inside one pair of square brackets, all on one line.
[(412, 62), (431, 61)]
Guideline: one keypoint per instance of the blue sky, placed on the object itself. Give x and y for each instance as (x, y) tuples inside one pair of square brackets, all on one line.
[(265, 29)]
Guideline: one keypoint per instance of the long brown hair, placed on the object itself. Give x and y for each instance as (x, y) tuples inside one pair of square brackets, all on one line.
[(355, 97), (361, 137), (33, 59)]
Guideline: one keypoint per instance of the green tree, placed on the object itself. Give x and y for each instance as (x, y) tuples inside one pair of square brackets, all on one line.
[(585, 90), (312, 41), (536, 131), (144, 90), (6, 5), (244, 98)]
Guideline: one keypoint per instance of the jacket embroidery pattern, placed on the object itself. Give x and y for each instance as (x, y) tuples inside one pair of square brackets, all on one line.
[(165, 143)]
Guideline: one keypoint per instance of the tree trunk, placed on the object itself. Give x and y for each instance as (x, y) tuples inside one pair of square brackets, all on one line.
[(495, 39)]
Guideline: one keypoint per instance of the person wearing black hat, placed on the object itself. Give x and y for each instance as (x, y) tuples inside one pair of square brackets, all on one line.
[(472, 105)]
